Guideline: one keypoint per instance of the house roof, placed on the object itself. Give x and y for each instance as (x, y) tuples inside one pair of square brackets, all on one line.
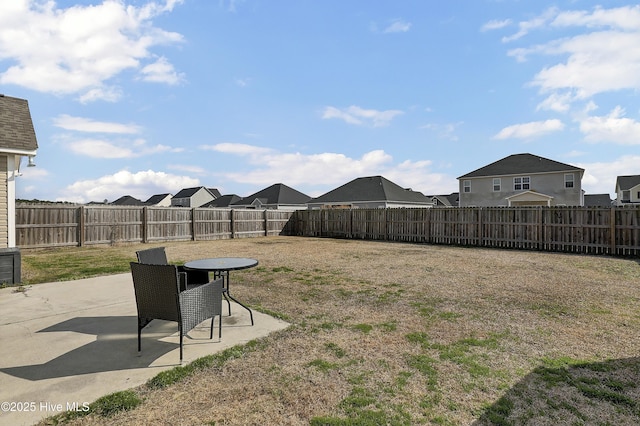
[(16, 128), (372, 188), (275, 194), (595, 200), (627, 182), (155, 199), (450, 200), (127, 200), (223, 201), (521, 164), (214, 192), (188, 192)]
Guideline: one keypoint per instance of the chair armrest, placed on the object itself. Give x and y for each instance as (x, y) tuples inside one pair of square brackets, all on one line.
[(200, 303)]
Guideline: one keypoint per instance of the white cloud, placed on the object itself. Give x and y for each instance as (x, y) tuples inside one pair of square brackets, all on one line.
[(530, 130), (397, 26), (600, 177), (525, 27), (603, 57), (445, 131), (161, 71), (236, 148), (141, 185), (359, 116), (496, 25), (80, 48), (333, 169), (614, 128), (558, 102), (110, 149), (81, 124)]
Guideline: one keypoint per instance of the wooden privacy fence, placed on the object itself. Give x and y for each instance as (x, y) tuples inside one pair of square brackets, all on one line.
[(590, 230), (54, 226)]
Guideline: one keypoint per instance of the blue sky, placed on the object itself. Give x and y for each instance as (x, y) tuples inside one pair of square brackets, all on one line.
[(140, 97)]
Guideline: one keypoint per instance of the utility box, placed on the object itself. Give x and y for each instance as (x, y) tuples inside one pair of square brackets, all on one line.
[(10, 269)]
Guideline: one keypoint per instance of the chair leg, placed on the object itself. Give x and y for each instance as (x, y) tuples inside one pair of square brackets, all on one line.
[(211, 333), (220, 326), (180, 332)]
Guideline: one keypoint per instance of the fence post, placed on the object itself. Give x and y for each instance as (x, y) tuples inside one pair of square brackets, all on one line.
[(81, 235), (541, 235), (480, 226), (612, 224), (233, 223), (193, 224), (266, 223), (144, 231)]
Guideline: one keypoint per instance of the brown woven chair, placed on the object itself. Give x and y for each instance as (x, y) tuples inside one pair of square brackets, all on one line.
[(158, 256), (158, 296)]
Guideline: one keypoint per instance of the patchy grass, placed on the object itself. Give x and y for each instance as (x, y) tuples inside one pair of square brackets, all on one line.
[(399, 334)]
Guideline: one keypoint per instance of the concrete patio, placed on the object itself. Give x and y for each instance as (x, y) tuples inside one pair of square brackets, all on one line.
[(65, 344)]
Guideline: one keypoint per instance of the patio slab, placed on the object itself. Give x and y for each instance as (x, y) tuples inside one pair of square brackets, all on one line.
[(65, 344)]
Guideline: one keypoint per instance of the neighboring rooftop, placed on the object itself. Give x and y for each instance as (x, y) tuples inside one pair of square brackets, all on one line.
[(371, 188), (521, 164), (597, 200), (278, 193), (627, 182)]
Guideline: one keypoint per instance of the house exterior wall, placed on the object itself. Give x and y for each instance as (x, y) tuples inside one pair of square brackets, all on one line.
[(5, 192), (201, 197), (198, 199), (633, 196), (482, 192)]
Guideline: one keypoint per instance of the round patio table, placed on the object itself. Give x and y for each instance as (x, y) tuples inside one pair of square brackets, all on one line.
[(221, 266)]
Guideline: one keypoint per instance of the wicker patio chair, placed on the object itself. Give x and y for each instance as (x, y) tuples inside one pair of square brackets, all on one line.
[(158, 256), (158, 296)]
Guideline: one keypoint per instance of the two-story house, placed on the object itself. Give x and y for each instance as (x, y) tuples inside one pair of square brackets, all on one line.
[(194, 197), (628, 190), (522, 180)]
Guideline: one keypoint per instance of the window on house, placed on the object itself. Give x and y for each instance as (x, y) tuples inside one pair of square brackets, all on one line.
[(626, 195), (521, 183), (497, 185), (466, 186), (568, 180)]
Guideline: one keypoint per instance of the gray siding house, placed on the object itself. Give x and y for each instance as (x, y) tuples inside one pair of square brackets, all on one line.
[(628, 190), (370, 193), (522, 180), (194, 197)]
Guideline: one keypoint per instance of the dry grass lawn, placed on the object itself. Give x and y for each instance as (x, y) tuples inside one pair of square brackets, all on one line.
[(404, 334)]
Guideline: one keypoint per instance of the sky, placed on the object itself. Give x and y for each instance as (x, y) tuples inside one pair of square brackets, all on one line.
[(144, 97)]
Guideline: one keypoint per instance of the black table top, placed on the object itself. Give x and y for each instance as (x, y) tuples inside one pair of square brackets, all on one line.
[(221, 264)]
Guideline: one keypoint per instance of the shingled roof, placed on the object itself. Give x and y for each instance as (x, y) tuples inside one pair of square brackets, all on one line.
[(16, 128), (371, 188), (278, 193), (521, 164), (627, 182)]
